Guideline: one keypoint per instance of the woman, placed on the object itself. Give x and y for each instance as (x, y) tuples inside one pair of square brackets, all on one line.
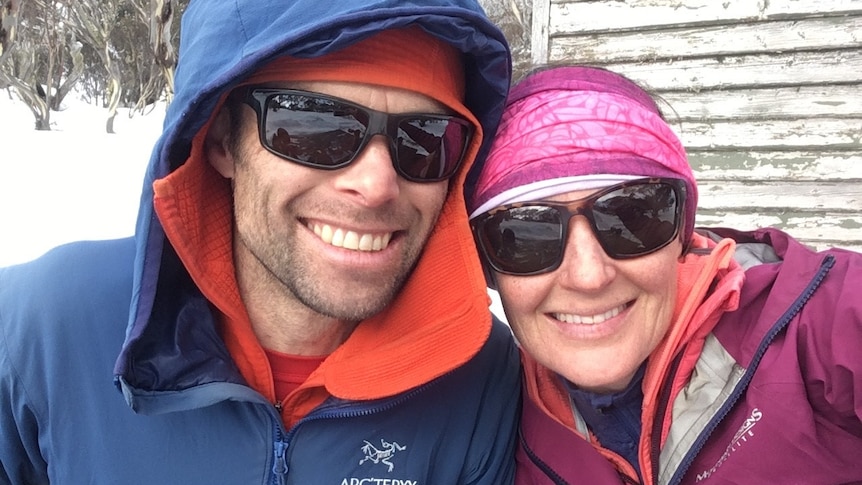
[(654, 353)]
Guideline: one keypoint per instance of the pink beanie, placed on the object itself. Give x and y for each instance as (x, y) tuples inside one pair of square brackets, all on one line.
[(578, 128)]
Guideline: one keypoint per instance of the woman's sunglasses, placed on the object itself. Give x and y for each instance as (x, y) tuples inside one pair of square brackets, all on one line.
[(324, 132), (630, 219)]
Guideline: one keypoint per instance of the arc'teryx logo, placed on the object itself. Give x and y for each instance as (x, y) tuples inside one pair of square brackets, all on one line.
[(381, 455)]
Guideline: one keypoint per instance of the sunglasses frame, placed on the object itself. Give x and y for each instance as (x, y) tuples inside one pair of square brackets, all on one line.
[(583, 207), (379, 123)]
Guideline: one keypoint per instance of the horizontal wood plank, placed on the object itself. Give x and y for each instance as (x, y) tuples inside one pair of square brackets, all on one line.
[(823, 245), (775, 70), (767, 103), (799, 166), (824, 231), (597, 16), (769, 134), (720, 40), (781, 196)]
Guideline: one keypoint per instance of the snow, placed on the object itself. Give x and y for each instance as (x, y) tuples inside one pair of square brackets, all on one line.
[(72, 183)]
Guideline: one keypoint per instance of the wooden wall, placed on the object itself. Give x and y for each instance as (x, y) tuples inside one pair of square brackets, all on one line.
[(765, 94)]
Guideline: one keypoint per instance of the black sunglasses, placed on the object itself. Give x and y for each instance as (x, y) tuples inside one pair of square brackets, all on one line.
[(325, 132), (630, 219)]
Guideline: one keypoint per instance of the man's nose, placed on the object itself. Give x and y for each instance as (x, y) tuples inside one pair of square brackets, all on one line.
[(371, 177)]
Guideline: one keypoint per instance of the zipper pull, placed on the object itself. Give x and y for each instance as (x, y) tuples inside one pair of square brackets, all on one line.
[(279, 468)]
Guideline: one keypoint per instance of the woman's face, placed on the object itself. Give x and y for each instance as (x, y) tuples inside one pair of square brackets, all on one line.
[(595, 319)]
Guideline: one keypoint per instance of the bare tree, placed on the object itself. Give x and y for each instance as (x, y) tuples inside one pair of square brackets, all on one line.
[(514, 18), (161, 39), (95, 22), (70, 76), (119, 51), (134, 42), (64, 62), (40, 58), (146, 38), (8, 25), (24, 57)]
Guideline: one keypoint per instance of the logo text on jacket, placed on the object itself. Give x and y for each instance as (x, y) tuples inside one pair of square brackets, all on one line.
[(377, 481), (740, 438)]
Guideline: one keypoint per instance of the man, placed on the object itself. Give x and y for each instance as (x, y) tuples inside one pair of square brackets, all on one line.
[(303, 298)]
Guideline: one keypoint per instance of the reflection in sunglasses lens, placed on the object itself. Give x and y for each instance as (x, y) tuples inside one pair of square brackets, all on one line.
[(527, 236), (636, 219), (318, 131), (324, 132), (629, 221)]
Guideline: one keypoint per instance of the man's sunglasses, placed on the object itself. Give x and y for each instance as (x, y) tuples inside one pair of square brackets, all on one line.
[(325, 132), (630, 219)]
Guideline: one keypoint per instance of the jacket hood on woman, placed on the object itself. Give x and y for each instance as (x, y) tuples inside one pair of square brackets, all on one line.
[(184, 254)]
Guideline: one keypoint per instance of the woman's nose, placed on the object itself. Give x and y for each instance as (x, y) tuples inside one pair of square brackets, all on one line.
[(585, 266)]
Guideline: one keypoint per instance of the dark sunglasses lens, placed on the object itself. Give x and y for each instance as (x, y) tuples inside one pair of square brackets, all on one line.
[(524, 240), (636, 220), (630, 221), (430, 148), (313, 131)]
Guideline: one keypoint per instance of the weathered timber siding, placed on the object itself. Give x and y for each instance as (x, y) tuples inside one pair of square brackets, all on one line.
[(765, 94)]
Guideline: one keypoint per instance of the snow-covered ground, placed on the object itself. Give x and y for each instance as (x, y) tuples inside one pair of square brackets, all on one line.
[(75, 182)]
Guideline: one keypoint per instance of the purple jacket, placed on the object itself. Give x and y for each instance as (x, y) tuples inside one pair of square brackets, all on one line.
[(774, 397)]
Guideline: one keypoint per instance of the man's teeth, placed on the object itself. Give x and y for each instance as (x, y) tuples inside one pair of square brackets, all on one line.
[(351, 240), (589, 320)]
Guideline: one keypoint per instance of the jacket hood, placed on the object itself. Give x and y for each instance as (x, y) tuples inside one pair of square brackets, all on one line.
[(173, 341)]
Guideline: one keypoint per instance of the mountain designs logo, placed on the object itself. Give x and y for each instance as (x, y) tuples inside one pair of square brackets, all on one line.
[(741, 437)]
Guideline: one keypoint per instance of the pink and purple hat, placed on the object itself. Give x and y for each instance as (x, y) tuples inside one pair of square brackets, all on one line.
[(577, 128)]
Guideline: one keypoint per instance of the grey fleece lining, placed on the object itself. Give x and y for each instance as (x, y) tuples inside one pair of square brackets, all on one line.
[(715, 376), (747, 254)]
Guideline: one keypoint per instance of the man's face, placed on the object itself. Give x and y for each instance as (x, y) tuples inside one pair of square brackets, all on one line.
[(338, 242)]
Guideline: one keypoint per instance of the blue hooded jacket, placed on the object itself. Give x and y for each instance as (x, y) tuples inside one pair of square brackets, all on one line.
[(185, 414)]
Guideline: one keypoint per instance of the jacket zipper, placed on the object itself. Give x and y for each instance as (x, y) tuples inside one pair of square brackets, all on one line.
[(779, 326), (280, 466), (546, 469), (549, 471), (658, 424)]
